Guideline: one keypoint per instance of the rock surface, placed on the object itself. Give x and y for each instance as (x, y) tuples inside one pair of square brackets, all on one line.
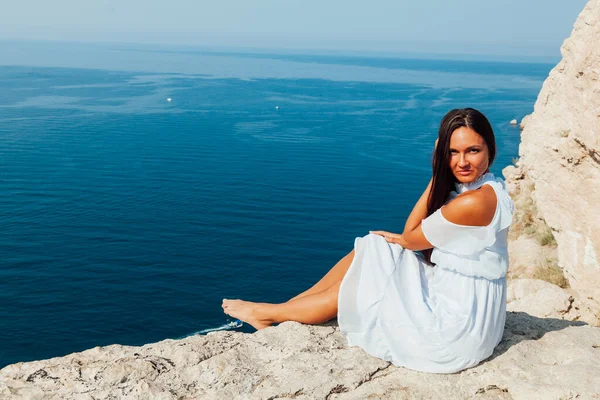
[(560, 153), (525, 254), (524, 121), (542, 358), (542, 299)]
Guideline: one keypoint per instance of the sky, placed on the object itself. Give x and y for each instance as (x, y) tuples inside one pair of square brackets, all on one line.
[(511, 27)]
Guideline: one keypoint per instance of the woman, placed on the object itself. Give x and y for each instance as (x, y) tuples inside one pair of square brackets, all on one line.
[(390, 300)]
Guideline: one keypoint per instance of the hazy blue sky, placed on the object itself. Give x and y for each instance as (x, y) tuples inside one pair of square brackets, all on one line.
[(528, 27)]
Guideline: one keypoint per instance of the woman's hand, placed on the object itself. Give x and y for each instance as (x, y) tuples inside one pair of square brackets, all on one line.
[(388, 236)]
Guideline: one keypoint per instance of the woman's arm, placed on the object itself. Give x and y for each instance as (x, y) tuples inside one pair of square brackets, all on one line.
[(473, 209), (419, 211), (412, 238)]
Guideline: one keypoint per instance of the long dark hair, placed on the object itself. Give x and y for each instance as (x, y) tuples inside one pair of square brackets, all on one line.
[(443, 178)]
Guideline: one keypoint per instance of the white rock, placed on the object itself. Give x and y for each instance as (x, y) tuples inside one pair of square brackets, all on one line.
[(524, 121), (525, 254), (560, 153), (513, 121), (543, 358), (538, 298)]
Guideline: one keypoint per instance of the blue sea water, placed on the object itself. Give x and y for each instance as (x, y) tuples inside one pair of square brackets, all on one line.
[(126, 218)]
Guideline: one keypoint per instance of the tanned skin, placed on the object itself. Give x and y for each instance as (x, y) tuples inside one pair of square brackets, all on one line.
[(469, 154)]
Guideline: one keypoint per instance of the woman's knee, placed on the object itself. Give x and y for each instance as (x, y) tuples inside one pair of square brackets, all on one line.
[(334, 290)]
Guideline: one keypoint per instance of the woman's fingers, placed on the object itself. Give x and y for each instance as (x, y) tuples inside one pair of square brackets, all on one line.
[(385, 234), (388, 236)]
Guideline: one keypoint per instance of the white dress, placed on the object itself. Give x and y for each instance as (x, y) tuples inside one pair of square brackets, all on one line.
[(434, 319)]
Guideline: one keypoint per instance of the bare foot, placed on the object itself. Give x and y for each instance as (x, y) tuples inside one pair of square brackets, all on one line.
[(246, 311)]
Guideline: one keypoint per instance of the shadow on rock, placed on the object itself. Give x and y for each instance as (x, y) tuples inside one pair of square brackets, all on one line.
[(521, 326)]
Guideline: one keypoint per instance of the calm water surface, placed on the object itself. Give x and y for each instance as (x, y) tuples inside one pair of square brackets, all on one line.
[(127, 218)]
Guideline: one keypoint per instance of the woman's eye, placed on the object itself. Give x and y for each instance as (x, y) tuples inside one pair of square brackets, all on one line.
[(474, 151)]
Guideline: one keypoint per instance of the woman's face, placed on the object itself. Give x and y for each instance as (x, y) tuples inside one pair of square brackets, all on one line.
[(469, 155)]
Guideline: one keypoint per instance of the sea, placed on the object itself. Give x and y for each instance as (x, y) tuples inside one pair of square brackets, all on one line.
[(140, 185)]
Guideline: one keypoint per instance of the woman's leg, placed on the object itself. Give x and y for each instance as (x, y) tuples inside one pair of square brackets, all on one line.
[(335, 275), (313, 308)]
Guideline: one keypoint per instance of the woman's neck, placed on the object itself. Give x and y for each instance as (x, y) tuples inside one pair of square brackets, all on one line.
[(475, 184)]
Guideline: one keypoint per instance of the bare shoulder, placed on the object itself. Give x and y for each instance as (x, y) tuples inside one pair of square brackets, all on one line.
[(473, 208)]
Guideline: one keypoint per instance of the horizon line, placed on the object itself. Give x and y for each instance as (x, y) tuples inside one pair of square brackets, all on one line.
[(269, 48)]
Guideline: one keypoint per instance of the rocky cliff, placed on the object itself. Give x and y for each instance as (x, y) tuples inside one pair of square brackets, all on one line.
[(560, 155), (550, 350), (539, 358)]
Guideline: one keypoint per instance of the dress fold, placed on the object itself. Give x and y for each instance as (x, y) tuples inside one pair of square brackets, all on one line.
[(438, 319)]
